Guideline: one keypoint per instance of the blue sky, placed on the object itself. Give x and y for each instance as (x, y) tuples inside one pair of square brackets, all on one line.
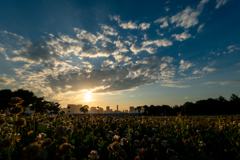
[(125, 53)]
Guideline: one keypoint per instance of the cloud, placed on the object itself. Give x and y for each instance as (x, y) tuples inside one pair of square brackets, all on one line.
[(220, 3), (175, 85), (184, 65), (144, 26), (145, 45), (181, 37), (129, 24), (200, 28), (160, 20), (232, 48), (167, 9), (208, 69), (6, 81), (107, 30), (223, 83), (115, 17), (146, 71), (188, 17)]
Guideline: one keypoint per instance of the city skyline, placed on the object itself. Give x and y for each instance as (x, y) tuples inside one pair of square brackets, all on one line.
[(75, 108), (129, 53)]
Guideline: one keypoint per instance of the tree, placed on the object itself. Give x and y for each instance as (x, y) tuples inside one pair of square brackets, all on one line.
[(145, 109), (84, 109), (138, 109)]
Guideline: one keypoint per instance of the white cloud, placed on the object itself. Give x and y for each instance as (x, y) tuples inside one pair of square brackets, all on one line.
[(159, 42), (197, 72), (115, 17), (181, 37), (167, 9), (184, 65), (160, 20), (158, 33), (208, 69), (6, 81), (175, 85), (223, 83), (144, 26), (128, 25), (188, 17), (232, 48), (220, 3), (200, 28), (107, 30)]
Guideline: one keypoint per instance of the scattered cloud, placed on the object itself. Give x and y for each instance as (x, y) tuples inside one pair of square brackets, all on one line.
[(220, 3), (233, 48), (181, 37), (144, 26), (176, 85), (129, 24), (184, 65), (188, 17), (163, 20), (208, 69), (6, 81), (200, 28), (107, 30), (223, 83), (166, 9)]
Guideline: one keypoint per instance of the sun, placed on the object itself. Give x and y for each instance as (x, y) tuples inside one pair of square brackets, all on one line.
[(88, 97)]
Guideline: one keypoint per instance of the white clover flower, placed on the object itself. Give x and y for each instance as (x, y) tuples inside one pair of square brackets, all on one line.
[(123, 141), (116, 137)]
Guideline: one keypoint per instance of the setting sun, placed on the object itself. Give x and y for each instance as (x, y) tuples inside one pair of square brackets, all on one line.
[(88, 97)]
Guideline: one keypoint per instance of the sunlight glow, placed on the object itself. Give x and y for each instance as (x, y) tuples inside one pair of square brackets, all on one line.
[(88, 97)]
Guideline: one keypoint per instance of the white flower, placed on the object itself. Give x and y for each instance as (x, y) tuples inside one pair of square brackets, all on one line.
[(116, 137)]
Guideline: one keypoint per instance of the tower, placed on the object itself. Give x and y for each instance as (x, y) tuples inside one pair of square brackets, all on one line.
[(117, 107)]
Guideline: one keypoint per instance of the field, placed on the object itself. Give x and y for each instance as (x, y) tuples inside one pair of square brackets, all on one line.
[(82, 137)]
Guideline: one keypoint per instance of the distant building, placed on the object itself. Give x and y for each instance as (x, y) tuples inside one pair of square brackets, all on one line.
[(93, 110), (100, 110), (117, 107), (126, 111), (74, 108), (131, 109)]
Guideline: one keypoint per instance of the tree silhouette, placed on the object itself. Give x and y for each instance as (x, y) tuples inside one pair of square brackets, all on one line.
[(138, 109), (84, 109), (30, 100)]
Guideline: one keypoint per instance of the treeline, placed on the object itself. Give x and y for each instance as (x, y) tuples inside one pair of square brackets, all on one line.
[(30, 100), (218, 106)]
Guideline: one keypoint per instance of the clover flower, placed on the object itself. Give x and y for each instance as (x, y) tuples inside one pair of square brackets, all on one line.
[(116, 138), (201, 144), (93, 155), (123, 141)]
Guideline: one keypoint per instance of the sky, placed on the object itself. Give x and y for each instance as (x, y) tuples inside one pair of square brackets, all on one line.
[(125, 53)]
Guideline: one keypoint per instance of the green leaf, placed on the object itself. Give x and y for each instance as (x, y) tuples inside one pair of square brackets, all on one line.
[(41, 128)]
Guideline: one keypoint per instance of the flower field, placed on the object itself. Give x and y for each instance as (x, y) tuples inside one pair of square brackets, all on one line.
[(64, 136)]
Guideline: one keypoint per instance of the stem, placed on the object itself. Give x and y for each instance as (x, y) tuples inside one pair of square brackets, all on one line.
[(230, 142), (9, 154)]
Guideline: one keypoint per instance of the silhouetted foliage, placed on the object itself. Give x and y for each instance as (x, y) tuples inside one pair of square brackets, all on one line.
[(30, 100), (84, 109), (210, 106)]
